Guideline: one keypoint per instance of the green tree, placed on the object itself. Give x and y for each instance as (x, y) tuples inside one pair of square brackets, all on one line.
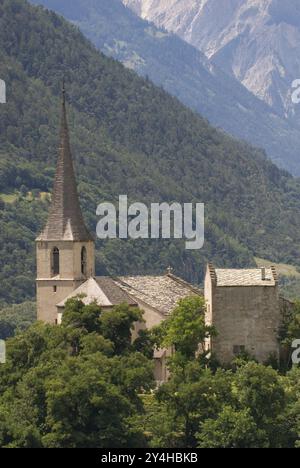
[(231, 429), (51, 396), (259, 389), (185, 330), (117, 326), (23, 191), (198, 397), (16, 318), (79, 316)]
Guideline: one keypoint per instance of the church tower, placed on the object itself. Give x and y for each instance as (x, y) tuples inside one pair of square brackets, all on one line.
[(65, 248)]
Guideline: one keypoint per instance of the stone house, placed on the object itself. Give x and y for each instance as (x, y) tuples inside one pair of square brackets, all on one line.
[(245, 307), (242, 304)]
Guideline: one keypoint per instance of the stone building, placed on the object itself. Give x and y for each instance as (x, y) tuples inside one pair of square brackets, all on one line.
[(246, 309), (157, 296), (242, 304), (65, 253)]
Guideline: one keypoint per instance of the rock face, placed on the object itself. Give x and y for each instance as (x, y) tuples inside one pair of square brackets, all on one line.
[(257, 41)]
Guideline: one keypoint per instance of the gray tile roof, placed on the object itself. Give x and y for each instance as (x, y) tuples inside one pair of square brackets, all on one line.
[(250, 277), (65, 220), (102, 290), (161, 293), (113, 292)]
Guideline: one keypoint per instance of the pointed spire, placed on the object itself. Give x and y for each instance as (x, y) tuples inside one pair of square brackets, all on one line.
[(65, 220)]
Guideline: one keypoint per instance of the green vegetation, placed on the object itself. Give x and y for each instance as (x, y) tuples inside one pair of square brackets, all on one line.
[(184, 72), (8, 197), (248, 406), (289, 278), (74, 385), (185, 330), (282, 269), (85, 384), (17, 318), (128, 137)]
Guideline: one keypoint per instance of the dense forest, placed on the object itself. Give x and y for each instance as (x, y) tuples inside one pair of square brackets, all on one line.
[(85, 384), (128, 137), (184, 72)]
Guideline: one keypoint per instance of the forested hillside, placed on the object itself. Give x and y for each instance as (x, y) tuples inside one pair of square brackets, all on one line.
[(185, 72), (128, 137)]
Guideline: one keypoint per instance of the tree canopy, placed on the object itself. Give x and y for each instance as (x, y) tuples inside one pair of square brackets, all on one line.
[(86, 383)]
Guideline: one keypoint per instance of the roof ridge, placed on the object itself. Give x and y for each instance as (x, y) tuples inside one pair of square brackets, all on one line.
[(185, 283)]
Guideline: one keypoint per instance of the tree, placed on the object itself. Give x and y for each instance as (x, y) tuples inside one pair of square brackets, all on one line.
[(52, 395), (23, 191), (198, 397), (231, 429), (293, 330), (16, 318), (185, 330), (84, 408), (118, 324), (79, 316), (292, 415), (259, 389)]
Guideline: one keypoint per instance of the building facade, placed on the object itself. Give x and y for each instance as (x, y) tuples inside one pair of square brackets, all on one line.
[(245, 308)]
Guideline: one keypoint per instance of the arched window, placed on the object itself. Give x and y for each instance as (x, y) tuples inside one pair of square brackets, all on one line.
[(84, 261), (55, 261)]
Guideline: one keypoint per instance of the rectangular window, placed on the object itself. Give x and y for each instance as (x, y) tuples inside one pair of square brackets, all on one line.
[(55, 289), (238, 349)]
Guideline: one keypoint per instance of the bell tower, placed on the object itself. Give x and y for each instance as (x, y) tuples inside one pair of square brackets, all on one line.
[(65, 249)]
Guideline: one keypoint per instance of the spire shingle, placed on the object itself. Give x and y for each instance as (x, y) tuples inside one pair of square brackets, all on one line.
[(65, 220)]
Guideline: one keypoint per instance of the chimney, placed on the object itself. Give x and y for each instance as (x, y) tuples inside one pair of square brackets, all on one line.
[(263, 273)]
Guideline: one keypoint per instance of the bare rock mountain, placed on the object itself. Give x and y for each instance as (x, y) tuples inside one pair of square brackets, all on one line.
[(258, 41)]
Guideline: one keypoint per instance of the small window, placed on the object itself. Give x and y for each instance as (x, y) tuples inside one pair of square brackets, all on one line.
[(55, 261), (239, 349), (84, 261), (55, 289)]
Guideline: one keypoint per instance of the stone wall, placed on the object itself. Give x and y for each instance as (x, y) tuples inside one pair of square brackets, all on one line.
[(245, 318), (52, 290)]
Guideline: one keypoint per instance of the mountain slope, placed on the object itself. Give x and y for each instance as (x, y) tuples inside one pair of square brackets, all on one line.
[(128, 137), (256, 41), (185, 72)]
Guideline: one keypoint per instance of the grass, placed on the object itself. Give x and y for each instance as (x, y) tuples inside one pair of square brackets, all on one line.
[(289, 278), (283, 269), (12, 197), (8, 197)]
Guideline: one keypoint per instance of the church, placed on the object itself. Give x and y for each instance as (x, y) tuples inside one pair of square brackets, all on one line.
[(65, 252), (244, 305)]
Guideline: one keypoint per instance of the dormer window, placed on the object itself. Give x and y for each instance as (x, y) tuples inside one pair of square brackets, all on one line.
[(84, 261), (55, 261)]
